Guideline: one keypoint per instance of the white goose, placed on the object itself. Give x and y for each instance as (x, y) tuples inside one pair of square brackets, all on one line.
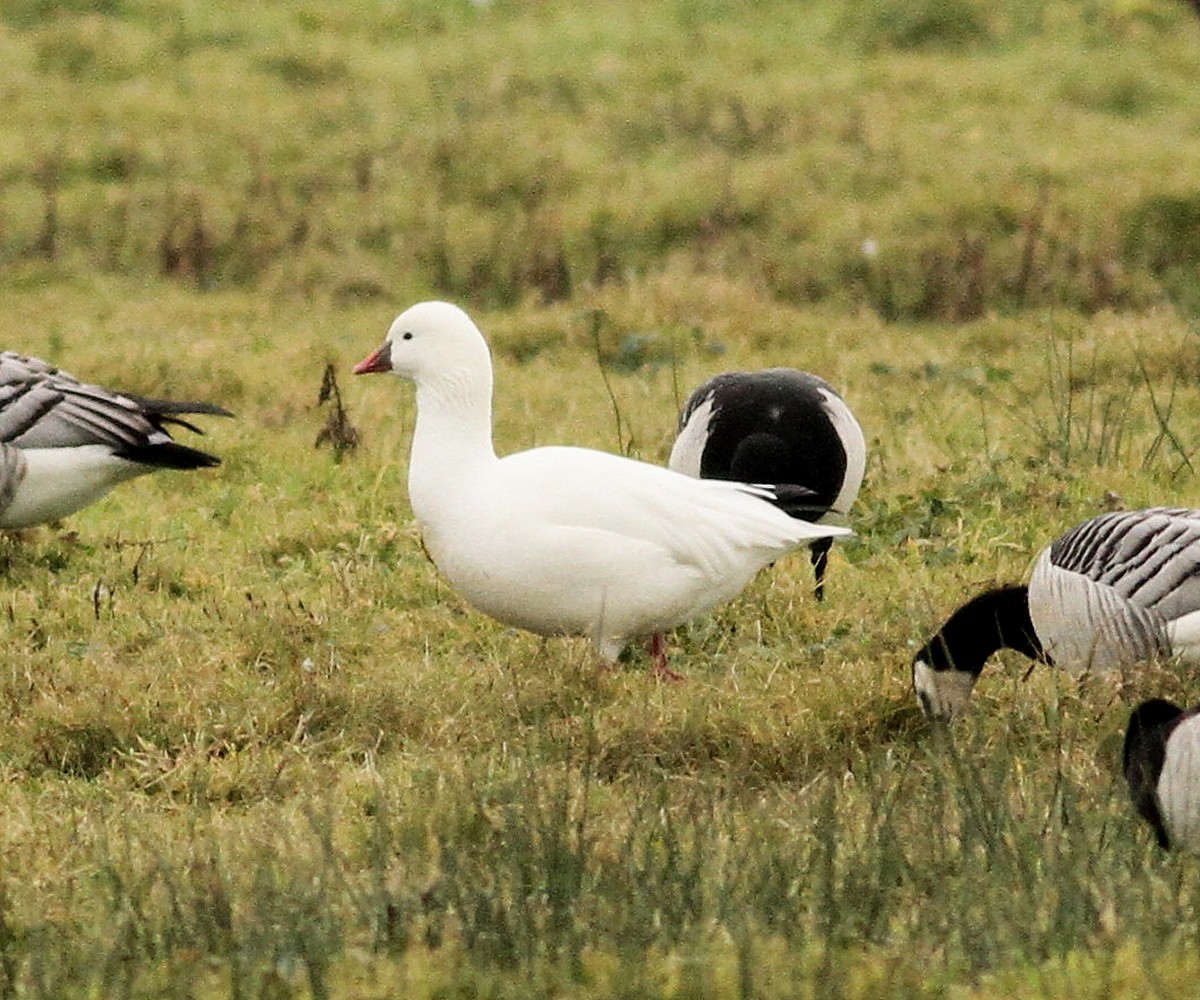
[(562, 540), (64, 444), (1162, 767), (780, 426), (1113, 591)]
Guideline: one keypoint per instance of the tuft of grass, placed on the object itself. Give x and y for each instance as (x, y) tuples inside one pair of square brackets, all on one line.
[(926, 25)]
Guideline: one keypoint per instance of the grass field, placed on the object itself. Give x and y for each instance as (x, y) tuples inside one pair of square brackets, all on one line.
[(252, 746)]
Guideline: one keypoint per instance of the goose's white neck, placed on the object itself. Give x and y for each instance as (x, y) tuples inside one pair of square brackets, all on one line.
[(452, 440)]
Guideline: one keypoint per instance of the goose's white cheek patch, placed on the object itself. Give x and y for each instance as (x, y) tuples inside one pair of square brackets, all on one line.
[(942, 694)]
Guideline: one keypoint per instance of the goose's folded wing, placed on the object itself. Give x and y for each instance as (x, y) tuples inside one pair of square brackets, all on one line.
[(55, 416), (42, 407), (710, 524), (1149, 557)]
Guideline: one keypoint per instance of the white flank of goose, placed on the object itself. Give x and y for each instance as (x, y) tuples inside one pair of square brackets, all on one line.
[(1162, 768), (1113, 591), (64, 444), (562, 540), (779, 426)]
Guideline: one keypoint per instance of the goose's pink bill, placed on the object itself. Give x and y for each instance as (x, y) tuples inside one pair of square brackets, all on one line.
[(378, 361)]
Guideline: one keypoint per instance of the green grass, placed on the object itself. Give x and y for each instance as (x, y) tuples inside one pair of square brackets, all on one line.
[(1036, 156), (251, 745)]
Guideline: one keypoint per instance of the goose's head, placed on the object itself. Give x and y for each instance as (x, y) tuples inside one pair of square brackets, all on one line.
[(1143, 761), (426, 342), (1145, 735)]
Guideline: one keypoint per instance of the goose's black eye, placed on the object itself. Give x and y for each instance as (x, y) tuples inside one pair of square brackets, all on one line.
[(407, 335)]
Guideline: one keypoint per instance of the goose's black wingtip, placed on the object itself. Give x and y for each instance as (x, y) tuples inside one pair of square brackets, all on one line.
[(796, 501), (171, 407), (169, 455)]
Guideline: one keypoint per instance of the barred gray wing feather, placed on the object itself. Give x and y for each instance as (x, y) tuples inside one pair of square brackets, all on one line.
[(24, 405), (12, 472), (1149, 557), (15, 367), (42, 407)]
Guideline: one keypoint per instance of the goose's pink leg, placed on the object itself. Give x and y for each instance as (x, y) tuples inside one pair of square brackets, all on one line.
[(658, 654)]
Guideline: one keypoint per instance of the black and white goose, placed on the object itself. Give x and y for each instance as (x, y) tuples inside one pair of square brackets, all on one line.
[(782, 427), (1162, 767), (1115, 590), (64, 444)]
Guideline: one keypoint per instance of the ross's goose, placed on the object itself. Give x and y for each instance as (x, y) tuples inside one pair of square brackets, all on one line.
[(777, 425), (1112, 591), (562, 540), (64, 444), (1162, 768)]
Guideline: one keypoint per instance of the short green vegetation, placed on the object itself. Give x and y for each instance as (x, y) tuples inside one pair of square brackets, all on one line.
[(252, 746)]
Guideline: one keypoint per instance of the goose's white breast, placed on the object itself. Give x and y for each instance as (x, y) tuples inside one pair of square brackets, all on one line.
[(854, 444), (1179, 784)]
